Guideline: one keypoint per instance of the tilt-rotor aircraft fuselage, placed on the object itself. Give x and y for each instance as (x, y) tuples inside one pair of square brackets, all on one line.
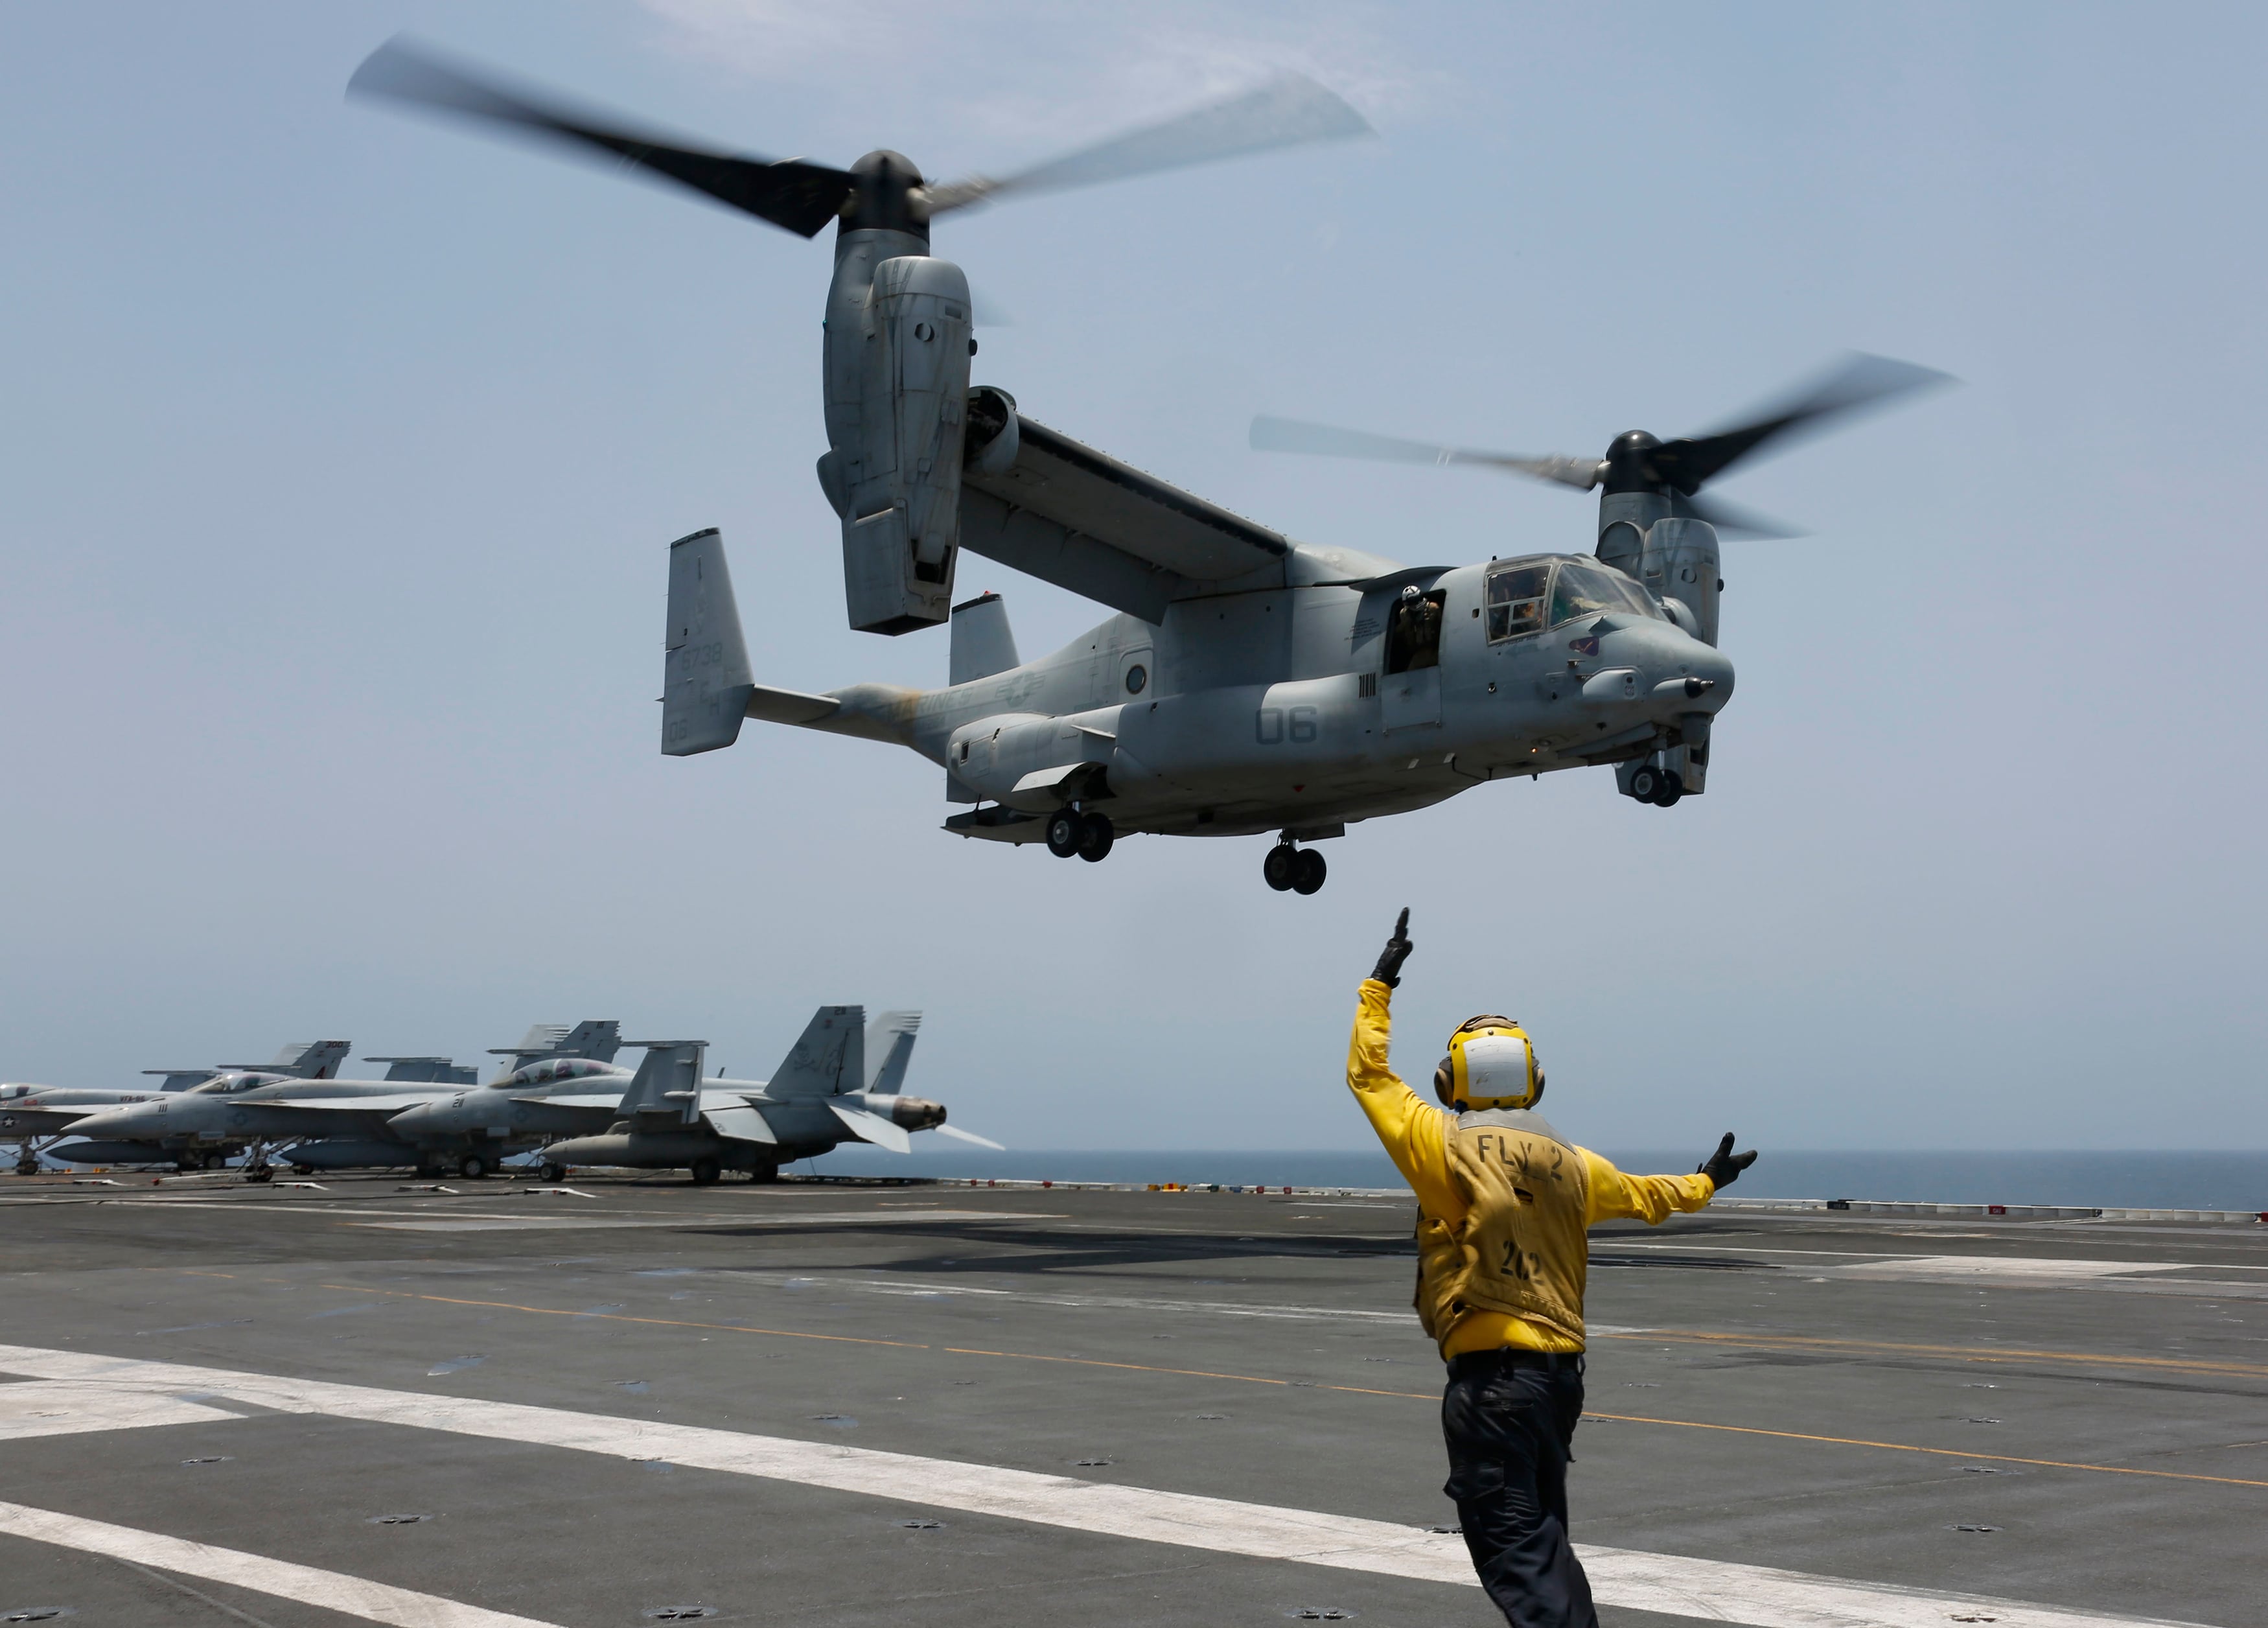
[(1248, 683)]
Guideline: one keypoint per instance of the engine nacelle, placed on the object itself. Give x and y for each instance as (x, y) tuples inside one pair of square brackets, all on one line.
[(897, 407), (1680, 562)]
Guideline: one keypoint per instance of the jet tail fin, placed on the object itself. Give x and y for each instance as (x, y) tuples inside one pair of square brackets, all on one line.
[(889, 1048), (428, 1071), (829, 1057), (307, 1059), (705, 682), (668, 1084)]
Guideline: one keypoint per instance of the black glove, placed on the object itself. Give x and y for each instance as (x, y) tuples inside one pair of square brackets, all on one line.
[(1397, 949), (1724, 1166)]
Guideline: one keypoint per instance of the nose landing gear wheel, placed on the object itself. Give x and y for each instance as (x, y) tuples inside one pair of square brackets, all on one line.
[(1309, 871), (1280, 870), (1065, 830), (472, 1166), (1095, 836), (705, 1173)]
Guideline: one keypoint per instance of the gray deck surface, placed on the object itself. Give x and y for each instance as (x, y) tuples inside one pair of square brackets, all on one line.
[(1861, 1373)]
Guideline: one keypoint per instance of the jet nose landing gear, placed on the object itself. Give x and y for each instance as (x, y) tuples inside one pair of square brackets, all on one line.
[(1290, 868), (1089, 836)]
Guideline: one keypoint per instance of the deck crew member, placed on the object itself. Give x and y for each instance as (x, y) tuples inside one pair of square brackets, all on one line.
[(1503, 1203)]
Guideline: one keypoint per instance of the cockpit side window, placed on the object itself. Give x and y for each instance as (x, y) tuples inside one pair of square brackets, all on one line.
[(1413, 632), (1589, 591), (1515, 601)]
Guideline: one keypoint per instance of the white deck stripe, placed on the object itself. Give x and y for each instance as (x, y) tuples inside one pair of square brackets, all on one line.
[(1710, 1590), (355, 1596)]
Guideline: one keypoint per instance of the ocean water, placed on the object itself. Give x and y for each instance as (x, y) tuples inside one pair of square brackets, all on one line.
[(2169, 1181)]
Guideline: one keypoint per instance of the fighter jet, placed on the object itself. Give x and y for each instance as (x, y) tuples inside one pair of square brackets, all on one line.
[(332, 1124), (31, 1113), (839, 1084)]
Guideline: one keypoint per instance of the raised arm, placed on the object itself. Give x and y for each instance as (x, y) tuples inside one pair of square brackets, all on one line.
[(1409, 1130)]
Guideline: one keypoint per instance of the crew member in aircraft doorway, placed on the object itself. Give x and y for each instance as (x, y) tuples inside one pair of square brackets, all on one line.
[(1503, 1203)]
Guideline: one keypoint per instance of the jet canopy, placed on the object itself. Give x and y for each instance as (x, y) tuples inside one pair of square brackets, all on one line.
[(561, 1068)]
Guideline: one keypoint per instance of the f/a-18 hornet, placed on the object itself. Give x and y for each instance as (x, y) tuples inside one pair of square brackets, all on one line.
[(1248, 683)]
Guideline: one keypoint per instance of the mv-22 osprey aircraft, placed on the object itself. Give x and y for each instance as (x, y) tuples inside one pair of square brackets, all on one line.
[(1249, 683)]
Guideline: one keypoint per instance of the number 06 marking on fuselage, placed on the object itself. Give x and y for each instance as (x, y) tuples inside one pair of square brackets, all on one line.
[(1273, 726)]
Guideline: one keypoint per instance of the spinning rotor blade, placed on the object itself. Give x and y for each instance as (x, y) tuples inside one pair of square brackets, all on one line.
[(791, 194), (1293, 435), (1282, 113), (1859, 381), (1731, 520)]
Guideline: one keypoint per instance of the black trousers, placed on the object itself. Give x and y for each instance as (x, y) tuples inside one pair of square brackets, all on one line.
[(1509, 1422)]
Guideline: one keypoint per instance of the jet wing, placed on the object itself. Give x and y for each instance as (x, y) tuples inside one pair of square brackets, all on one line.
[(1107, 531), (740, 1122), (349, 1105)]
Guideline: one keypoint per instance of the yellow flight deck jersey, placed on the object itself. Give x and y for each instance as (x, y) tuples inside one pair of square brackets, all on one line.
[(1503, 1205)]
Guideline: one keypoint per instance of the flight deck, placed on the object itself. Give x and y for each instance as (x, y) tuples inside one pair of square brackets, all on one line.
[(468, 1404)]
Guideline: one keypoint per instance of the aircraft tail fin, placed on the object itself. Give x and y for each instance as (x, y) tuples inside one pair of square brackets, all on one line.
[(982, 642), (828, 1058), (668, 1084), (705, 682), (310, 1059), (428, 1071), (890, 1050)]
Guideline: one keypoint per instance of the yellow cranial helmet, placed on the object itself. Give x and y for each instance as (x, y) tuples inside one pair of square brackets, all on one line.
[(1492, 1064)]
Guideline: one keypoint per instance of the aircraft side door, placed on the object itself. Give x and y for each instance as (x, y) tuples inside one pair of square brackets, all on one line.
[(1409, 689)]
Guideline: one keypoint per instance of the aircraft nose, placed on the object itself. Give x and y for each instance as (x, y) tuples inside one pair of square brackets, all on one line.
[(1708, 677), (109, 1124)]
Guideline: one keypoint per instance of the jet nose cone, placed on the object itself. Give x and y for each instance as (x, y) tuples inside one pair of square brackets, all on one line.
[(109, 1124)]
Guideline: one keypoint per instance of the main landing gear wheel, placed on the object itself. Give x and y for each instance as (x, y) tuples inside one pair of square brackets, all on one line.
[(214, 1161), (1661, 787), (705, 1171), (1281, 868), (1309, 871), (472, 1166), (554, 1173), (1089, 836), (764, 1173)]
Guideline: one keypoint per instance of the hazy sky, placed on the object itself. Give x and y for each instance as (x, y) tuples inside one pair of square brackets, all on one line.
[(339, 452)]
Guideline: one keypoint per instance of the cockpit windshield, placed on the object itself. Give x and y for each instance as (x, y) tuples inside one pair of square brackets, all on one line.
[(228, 1085), (560, 1068), (1582, 590)]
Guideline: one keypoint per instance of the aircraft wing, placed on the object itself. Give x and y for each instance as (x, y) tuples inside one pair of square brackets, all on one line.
[(1081, 520), (739, 1122), (350, 1105)]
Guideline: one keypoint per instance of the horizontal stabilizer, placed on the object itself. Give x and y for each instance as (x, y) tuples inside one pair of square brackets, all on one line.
[(958, 1134), (789, 707), (873, 1128)]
